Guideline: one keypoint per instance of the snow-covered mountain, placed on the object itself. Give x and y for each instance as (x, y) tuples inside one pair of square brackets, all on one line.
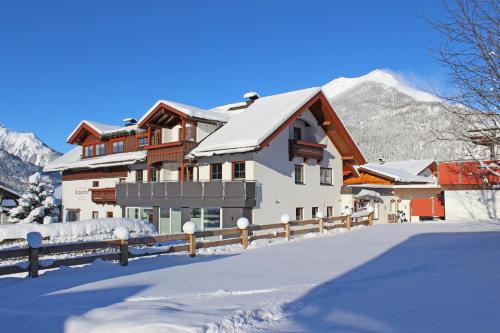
[(21, 155), (391, 120), (26, 146)]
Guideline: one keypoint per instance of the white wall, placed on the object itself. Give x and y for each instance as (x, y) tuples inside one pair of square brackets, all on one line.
[(277, 192), (203, 130), (472, 204), (76, 195)]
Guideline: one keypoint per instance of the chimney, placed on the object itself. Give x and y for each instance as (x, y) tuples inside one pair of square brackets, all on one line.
[(129, 121), (251, 96)]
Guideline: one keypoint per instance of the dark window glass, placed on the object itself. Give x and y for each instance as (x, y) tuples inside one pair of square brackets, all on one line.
[(117, 147), (109, 214), (216, 171), (88, 151), (95, 215), (154, 175), (314, 211), (95, 183), (299, 213), (329, 211), (297, 133), (299, 174), (238, 170), (139, 176), (141, 142), (99, 149), (325, 176)]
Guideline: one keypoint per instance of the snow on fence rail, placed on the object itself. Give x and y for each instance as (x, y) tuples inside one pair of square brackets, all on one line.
[(124, 248)]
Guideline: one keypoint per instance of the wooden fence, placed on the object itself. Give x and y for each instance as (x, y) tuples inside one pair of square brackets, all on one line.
[(119, 250)]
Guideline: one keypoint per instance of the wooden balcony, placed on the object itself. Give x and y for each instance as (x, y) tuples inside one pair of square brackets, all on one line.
[(105, 195), (169, 152), (305, 149)]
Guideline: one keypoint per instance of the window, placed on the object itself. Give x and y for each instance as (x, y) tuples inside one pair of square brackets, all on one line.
[(109, 215), (117, 147), (153, 175), (299, 174), (299, 214), (297, 133), (139, 176), (99, 149), (72, 215), (211, 218), (95, 215), (314, 211), (95, 183), (325, 176), (88, 151), (216, 171), (141, 142), (239, 170), (329, 211), (122, 180), (188, 173)]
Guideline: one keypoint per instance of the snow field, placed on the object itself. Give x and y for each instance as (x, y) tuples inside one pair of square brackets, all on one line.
[(432, 277)]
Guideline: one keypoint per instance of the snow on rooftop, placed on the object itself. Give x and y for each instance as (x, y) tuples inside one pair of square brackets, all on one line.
[(403, 171), (339, 86), (73, 160), (191, 111), (103, 129), (248, 127)]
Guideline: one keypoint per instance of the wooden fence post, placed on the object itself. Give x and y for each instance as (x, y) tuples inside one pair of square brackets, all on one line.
[(192, 245), (287, 231), (122, 234), (243, 224), (124, 252), (34, 243), (285, 219), (321, 221), (189, 228), (348, 221), (370, 219), (33, 258)]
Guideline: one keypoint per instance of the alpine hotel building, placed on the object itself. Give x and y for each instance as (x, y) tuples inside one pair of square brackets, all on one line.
[(286, 153)]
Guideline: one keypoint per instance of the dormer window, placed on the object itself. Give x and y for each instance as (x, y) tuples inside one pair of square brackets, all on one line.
[(88, 151), (99, 149), (117, 147)]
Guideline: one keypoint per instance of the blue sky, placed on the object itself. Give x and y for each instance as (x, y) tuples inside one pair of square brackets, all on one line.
[(64, 61)]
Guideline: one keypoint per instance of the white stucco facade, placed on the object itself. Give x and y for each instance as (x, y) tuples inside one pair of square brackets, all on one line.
[(472, 204)]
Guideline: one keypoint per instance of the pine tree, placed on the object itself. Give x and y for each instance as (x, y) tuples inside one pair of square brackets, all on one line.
[(37, 203)]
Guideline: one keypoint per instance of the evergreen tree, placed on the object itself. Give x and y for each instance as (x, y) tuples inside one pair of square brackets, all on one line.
[(37, 203)]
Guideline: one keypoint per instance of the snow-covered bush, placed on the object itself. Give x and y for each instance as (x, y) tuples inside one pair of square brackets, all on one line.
[(37, 203)]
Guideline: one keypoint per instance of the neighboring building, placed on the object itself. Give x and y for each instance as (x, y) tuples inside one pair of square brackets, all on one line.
[(407, 190), (471, 189), (286, 153), (8, 200)]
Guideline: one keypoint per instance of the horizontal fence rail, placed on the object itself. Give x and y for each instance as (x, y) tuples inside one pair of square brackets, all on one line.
[(32, 260)]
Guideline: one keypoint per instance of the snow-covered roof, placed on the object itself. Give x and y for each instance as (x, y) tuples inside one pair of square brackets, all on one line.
[(247, 128), (103, 129), (191, 111), (8, 189), (73, 160), (401, 171)]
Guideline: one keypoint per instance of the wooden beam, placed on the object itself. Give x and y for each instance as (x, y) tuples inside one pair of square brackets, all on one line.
[(347, 158)]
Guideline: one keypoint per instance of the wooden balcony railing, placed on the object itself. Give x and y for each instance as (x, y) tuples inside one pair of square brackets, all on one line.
[(105, 195), (169, 152), (305, 149)]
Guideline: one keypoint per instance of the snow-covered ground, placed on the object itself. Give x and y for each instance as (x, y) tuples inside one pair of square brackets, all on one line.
[(432, 277)]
